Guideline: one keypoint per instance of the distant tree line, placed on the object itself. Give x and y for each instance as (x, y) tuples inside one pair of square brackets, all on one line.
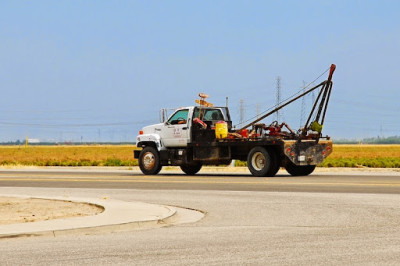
[(19, 142), (375, 140)]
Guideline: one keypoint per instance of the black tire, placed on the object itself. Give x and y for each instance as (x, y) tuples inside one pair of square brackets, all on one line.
[(259, 162), (149, 161), (276, 163), (191, 169), (299, 170)]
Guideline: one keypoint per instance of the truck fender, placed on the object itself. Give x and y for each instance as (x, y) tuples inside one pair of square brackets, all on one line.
[(150, 140)]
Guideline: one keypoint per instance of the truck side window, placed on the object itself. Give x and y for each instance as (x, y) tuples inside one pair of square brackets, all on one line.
[(180, 117)]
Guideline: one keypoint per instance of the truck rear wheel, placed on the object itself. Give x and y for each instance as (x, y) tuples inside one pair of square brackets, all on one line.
[(299, 170), (149, 161), (191, 169), (259, 162)]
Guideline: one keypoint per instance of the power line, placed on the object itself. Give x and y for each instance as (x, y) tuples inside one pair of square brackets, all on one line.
[(295, 94), (73, 125)]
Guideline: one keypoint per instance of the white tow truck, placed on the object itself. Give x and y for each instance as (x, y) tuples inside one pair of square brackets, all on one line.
[(190, 139)]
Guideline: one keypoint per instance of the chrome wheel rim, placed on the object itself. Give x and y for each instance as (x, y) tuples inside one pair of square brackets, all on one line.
[(258, 161), (149, 160)]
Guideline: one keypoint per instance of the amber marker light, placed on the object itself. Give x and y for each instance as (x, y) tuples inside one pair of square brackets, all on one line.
[(141, 132)]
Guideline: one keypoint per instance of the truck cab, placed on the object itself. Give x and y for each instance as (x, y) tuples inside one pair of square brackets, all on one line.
[(171, 142), (178, 130)]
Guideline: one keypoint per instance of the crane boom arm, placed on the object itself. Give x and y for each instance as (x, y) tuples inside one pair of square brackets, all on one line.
[(325, 84)]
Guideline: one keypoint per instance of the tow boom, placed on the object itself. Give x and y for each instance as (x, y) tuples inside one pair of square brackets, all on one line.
[(321, 102)]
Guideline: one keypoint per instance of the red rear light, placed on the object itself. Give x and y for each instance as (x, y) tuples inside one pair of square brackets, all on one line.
[(141, 132)]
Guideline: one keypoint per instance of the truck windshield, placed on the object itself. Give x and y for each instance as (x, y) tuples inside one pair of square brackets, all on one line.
[(180, 117)]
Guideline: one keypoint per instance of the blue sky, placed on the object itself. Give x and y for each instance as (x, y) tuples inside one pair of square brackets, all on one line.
[(100, 70)]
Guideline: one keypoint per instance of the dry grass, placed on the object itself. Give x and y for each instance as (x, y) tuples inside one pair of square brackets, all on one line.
[(383, 156), (85, 155), (122, 155), (365, 151)]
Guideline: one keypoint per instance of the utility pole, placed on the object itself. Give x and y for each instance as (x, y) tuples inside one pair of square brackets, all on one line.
[(278, 95), (258, 110), (303, 106), (241, 111)]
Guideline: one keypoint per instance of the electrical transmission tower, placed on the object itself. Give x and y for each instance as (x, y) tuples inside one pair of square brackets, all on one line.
[(241, 111), (313, 94), (278, 96)]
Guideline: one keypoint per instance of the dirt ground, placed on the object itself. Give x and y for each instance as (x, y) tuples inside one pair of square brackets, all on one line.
[(25, 210)]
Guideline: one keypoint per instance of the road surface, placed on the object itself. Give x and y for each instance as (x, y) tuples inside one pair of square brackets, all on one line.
[(347, 182), (321, 219)]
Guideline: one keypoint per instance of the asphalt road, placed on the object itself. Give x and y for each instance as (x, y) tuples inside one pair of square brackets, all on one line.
[(325, 219), (352, 182)]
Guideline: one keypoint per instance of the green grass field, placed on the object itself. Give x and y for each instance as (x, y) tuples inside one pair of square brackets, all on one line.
[(383, 156)]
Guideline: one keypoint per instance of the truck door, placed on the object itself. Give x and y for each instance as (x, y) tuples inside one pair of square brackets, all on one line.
[(176, 131)]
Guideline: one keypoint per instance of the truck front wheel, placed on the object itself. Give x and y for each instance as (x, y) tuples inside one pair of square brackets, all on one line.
[(191, 169), (299, 170), (259, 162), (149, 161)]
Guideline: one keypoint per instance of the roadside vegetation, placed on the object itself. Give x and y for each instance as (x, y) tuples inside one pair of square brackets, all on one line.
[(382, 156), (84, 155), (375, 156)]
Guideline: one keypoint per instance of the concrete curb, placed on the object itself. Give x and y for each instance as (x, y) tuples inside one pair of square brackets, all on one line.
[(117, 216), (176, 170)]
